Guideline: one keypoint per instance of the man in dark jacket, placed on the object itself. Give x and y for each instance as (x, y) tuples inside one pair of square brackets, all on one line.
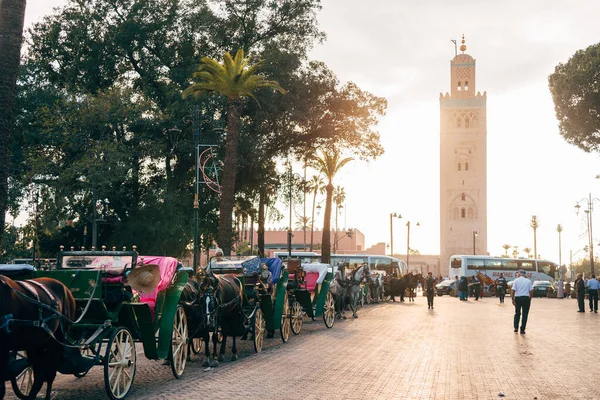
[(463, 286), (430, 287), (580, 288), (501, 286)]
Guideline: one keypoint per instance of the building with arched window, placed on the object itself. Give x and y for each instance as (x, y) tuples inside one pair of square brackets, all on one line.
[(463, 184)]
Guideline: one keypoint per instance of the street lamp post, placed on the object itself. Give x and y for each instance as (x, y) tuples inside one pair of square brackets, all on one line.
[(392, 216), (196, 192), (475, 233), (408, 242), (589, 212)]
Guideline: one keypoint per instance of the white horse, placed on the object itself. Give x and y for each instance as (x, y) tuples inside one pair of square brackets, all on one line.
[(376, 286), (358, 276), (339, 290)]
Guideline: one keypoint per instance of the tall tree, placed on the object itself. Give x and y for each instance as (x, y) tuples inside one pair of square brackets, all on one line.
[(575, 88), (12, 17), (329, 162), (506, 247), (234, 78)]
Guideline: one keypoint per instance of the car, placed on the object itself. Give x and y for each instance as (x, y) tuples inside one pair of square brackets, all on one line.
[(542, 288), (447, 286)]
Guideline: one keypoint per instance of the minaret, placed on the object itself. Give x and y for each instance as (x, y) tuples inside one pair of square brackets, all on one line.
[(463, 187)]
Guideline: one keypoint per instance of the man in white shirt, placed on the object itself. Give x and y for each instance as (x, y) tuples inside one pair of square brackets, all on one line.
[(521, 293)]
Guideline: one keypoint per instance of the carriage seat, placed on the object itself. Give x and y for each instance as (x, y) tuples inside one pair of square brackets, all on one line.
[(315, 275), (311, 280), (167, 266)]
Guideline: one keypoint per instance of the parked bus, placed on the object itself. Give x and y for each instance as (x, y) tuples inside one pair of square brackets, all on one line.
[(376, 262), (536, 270)]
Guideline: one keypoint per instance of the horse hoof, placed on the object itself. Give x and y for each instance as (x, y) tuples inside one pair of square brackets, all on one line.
[(234, 357), (355, 316), (215, 363), (220, 358), (205, 363)]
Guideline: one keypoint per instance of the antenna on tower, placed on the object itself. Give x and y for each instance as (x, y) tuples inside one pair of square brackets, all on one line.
[(455, 48)]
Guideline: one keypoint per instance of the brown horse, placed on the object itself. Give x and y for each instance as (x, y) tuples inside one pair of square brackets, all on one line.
[(44, 301)]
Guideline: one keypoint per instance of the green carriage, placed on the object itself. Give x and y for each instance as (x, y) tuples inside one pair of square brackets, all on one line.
[(112, 317), (308, 293), (265, 303)]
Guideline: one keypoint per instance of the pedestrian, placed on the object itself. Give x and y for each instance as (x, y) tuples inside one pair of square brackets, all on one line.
[(429, 287), (567, 289), (501, 287), (580, 290), (521, 293), (476, 287), (593, 285), (463, 286), (456, 291)]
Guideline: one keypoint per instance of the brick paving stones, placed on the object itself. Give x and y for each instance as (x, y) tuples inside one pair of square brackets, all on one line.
[(459, 350)]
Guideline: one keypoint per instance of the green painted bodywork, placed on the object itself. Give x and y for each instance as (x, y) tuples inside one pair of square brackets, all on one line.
[(313, 305)]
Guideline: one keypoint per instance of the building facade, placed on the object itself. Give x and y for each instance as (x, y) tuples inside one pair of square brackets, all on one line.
[(463, 172)]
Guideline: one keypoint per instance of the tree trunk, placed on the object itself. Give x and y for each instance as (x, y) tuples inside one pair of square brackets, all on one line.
[(326, 247), (262, 202), (229, 176), (12, 15), (312, 221)]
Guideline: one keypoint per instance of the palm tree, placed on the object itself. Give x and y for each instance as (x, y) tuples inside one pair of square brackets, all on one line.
[(302, 222), (506, 247), (236, 79), (527, 250), (339, 196), (12, 15), (329, 163), (315, 185), (535, 223)]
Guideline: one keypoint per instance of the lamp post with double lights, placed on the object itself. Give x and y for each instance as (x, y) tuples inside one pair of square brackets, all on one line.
[(475, 233), (408, 242), (589, 212), (392, 216)]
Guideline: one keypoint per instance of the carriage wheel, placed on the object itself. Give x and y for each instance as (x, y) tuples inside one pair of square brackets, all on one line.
[(285, 320), (329, 310), (179, 348), (196, 345), (22, 383), (296, 318), (258, 329), (119, 364)]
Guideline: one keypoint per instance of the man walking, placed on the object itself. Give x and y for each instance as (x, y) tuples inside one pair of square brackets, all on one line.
[(463, 286), (580, 289), (521, 293), (501, 287), (429, 286), (593, 286)]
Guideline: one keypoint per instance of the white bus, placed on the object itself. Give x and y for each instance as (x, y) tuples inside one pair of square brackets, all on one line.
[(376, 262), (536, 270)]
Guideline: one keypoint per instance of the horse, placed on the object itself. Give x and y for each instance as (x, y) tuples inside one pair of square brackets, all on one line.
[(356, 278), (22, 303), (222, 300), (339, 290), (397, 288), (376, 287), (411, 281)]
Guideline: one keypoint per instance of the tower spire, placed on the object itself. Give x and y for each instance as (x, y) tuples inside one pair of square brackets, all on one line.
[(463, 47)]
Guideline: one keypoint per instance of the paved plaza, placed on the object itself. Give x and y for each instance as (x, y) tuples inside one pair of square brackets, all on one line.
[(459, 350)]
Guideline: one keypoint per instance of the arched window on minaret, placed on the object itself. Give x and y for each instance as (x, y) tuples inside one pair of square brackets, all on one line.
[(466, 166), (463, 213), (466, 85), (467, 123), (459, 86), (458, 122), (459, 166), (463, 197)]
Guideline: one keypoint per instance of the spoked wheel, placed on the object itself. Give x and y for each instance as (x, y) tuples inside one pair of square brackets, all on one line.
[(285, 320), (196, 345), (296, 318), (329, 311), (119, 364), (179, 348), (23, 382), (258, 329)]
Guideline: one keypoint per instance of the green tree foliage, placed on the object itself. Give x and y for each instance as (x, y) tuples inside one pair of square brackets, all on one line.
[(575, 88)]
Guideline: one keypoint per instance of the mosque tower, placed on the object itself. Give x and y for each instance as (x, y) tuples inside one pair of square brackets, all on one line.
[(463, 183)]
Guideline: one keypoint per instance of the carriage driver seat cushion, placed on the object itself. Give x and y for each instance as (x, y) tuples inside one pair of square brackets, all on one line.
[(311, 280), (168, 268)]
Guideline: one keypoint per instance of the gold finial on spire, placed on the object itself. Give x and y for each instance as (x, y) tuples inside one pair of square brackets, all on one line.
[(463, 47)]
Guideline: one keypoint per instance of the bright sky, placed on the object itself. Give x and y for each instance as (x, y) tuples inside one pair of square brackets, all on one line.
[(401, 50)]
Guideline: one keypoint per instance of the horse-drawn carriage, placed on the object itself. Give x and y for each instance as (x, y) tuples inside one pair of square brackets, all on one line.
[(119, 301), (309, 294), (263, 299)]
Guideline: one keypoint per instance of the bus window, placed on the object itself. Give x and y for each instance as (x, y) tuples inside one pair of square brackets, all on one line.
[(510, 265), (380, 263), (527, 265), (547, 267), (475, 264)]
